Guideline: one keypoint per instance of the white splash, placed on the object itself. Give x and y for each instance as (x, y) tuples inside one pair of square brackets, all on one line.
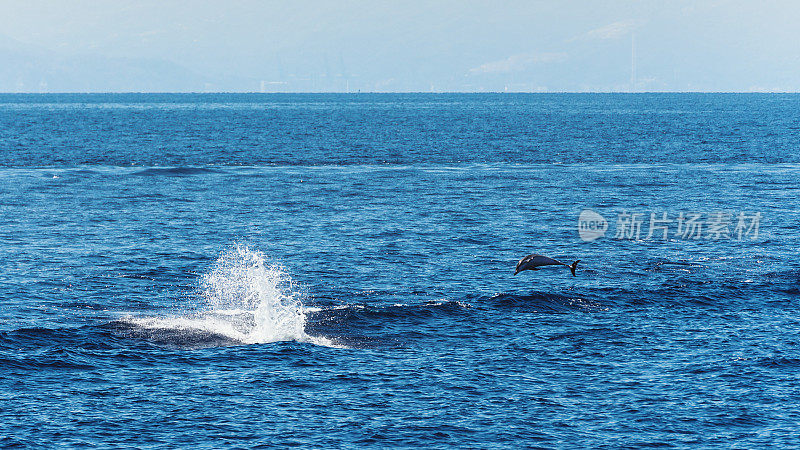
[(245, 299)]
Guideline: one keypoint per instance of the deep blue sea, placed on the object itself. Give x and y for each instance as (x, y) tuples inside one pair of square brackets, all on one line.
[(338, 270)]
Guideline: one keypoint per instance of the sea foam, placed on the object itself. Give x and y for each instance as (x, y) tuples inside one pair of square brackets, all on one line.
[(243, 299)]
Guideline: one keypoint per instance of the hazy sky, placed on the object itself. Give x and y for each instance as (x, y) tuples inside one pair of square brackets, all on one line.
[(56, 46)]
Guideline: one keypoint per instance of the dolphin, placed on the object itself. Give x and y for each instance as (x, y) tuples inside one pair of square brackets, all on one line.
[(534, 261)]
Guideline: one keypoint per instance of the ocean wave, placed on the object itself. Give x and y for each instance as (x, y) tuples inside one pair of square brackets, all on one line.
[(41, 363), (395, 311), (177, 171), (541, 302), (86, 337)]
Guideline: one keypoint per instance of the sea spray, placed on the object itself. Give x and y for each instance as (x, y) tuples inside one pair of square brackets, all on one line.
[(244, 299), (258, 299)]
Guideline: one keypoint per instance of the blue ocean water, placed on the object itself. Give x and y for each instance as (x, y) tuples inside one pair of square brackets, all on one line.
[(337, 270)]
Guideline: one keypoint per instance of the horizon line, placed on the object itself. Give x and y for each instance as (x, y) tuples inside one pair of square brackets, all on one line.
[(393, 92)]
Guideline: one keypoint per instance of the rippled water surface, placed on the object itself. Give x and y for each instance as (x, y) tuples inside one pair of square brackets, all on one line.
[(338, 270)]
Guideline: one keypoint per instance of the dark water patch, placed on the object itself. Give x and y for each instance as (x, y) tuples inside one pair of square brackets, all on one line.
[(149, 196), (87, 337), (719, 293), (668, 266), (368, 313), (177, 171), (171, 336), (587, 334), (14, 442), (702, 289), (343, 296), (546, 302), (786, 281), (390, 326), (42, 349), (41, 363), (84, 172), (794, 291), (779, 362), (161, 274), (82, 305)]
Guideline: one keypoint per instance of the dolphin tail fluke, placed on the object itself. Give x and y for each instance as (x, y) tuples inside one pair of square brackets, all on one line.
[(574, 266)]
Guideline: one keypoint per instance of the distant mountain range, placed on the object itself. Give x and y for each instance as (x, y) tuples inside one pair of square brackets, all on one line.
[(26, 68), (602, 60)]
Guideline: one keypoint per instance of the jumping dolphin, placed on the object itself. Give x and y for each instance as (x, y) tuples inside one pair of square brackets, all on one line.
[(534, 261)]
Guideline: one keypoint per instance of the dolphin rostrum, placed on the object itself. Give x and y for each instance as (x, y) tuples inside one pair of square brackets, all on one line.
[(534, 261)]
